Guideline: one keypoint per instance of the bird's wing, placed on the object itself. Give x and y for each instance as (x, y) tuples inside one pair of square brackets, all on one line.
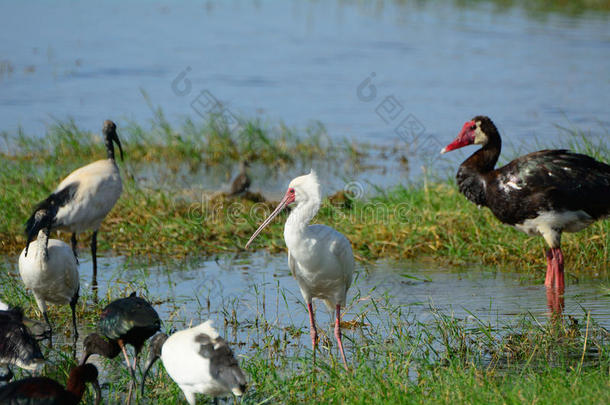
[(342, 249), (292, 264), (16, 341), (47, 391), (240, 184), (558, 177), (557, 168), (123, 315), (223, 364), (47, 208)]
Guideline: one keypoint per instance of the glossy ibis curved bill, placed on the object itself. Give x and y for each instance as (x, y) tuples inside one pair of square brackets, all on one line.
[(49, 269), (130, 320), (544, 193), (319, 257), (199, 361), (17, 345), (83, 199), (44, 390)]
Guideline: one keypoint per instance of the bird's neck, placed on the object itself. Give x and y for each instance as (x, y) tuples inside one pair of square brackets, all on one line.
[(299, 219), (484, 160), (472, 174), (42, 243), (110, 149), (76, 386), (102, 347)]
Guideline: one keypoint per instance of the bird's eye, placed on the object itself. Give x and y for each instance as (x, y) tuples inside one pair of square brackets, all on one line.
[(291, 191), (473, 127)]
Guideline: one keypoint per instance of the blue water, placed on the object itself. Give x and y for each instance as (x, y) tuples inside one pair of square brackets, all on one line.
[(301, 61)]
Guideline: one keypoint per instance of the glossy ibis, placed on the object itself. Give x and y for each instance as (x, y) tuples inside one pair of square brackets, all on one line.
[(44, 390), (319, 257), (131, 320)]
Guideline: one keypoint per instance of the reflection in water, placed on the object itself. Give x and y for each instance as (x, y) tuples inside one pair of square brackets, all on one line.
[(555, 300), (241, 287)]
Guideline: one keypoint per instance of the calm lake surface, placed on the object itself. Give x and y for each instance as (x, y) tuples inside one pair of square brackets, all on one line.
[(302, 61)]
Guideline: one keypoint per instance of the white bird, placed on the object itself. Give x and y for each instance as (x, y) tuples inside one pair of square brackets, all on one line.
[(49, 268), (84, 198), (319, 257), (199, 361)]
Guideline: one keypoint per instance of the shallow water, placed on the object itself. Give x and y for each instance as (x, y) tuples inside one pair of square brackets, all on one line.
[(241, 287), (303, 61)]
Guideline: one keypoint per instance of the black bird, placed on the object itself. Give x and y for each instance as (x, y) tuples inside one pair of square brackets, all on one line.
[(46, 391), (241, 183), (199, 361), (83, 199), (543, 193), (131, 320), (17, 345)]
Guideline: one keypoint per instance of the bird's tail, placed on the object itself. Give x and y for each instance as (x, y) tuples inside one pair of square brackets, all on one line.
[(46, 210)]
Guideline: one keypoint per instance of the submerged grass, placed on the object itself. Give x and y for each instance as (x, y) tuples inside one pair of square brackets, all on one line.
[(433, 220), (394, 357)]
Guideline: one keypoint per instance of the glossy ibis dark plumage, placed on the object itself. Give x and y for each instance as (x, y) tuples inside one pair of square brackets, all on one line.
[(83, 199), (241, 183), (43, 390), (199, 361), (17, 345), (543, 193), (131, 320)]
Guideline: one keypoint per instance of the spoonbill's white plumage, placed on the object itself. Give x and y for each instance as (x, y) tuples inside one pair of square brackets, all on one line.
[(84, 198), (199, 361), (50, 270), (319, 257)]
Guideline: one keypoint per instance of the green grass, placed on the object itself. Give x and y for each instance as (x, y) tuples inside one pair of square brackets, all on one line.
[(394, 357), (433, 220)]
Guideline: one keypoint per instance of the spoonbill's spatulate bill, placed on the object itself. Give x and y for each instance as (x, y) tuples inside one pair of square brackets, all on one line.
[(199, 361), (319, 257), (50, 270), (543, 193), (83, 199), (43, 390)]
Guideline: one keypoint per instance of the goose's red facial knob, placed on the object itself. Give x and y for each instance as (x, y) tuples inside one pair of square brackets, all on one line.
[(465, 137)]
